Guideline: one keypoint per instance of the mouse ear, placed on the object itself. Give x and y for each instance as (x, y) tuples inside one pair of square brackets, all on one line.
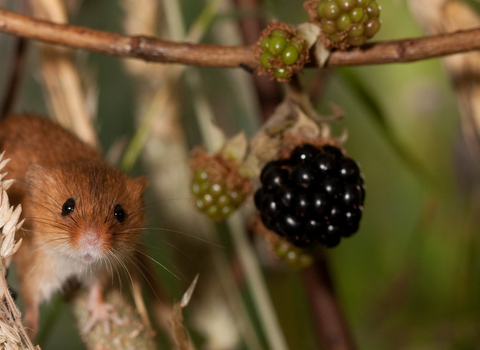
[(35, 177), (140, 184)]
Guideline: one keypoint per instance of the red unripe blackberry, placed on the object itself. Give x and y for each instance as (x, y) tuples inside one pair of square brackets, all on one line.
[(314, 196)]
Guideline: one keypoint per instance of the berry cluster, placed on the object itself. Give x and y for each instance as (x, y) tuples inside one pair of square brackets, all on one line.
[(281, 52), (348, 22), (214, 198), (315, 196)]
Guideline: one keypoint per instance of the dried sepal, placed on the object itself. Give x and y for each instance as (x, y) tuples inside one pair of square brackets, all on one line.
[(217, 138), (179, 332), (309, 32), (236, 148), (286, 129)]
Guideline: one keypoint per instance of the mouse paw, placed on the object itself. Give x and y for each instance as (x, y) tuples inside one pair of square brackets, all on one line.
[(104, 313)]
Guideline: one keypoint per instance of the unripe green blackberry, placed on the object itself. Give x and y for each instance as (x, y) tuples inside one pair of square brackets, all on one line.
[(217, 187), (345, 23), (295, 257), (281, 52), (214, 198)]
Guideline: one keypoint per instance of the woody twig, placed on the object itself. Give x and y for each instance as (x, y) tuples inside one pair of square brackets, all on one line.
[(156, 50)]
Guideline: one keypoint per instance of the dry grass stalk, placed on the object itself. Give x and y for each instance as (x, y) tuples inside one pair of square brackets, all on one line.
[(12, 333), (63, 84)]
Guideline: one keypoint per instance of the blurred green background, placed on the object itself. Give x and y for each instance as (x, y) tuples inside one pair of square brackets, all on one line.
[(410, 278)]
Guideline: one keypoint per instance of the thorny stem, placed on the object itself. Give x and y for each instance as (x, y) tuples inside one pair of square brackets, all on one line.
[(331, 325), (153, 49)]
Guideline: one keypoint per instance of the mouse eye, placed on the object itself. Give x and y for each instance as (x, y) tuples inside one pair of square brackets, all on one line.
[(68, 206), (119, 213)]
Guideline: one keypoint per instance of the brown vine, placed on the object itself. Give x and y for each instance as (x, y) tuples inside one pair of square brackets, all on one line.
[(156, 50)]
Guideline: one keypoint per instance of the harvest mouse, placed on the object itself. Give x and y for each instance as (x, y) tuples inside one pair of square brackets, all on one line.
[(83, 217)]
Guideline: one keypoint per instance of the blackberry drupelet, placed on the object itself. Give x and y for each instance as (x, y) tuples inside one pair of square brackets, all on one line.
[(315, 196)]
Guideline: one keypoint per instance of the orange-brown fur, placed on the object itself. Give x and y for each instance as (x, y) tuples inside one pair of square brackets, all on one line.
[(51, 166)]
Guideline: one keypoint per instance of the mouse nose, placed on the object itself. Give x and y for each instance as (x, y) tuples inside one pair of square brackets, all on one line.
[(90, 238), (90, 244)]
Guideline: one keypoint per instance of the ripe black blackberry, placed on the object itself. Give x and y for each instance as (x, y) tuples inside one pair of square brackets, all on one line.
[(315, 196)]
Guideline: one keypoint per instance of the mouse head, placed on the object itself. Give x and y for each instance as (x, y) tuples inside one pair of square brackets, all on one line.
[(86, 210)]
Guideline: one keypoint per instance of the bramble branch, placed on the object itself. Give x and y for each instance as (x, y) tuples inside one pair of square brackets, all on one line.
[(156, 50)]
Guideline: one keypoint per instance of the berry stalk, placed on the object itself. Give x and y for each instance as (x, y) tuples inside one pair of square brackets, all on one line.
[(329, 318)]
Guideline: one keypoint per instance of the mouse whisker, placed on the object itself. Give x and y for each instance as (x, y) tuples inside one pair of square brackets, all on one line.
[(147, 247), (173, 231), (160, 264), (112, 254), (122, 263), (143, 274), (161, 201)]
